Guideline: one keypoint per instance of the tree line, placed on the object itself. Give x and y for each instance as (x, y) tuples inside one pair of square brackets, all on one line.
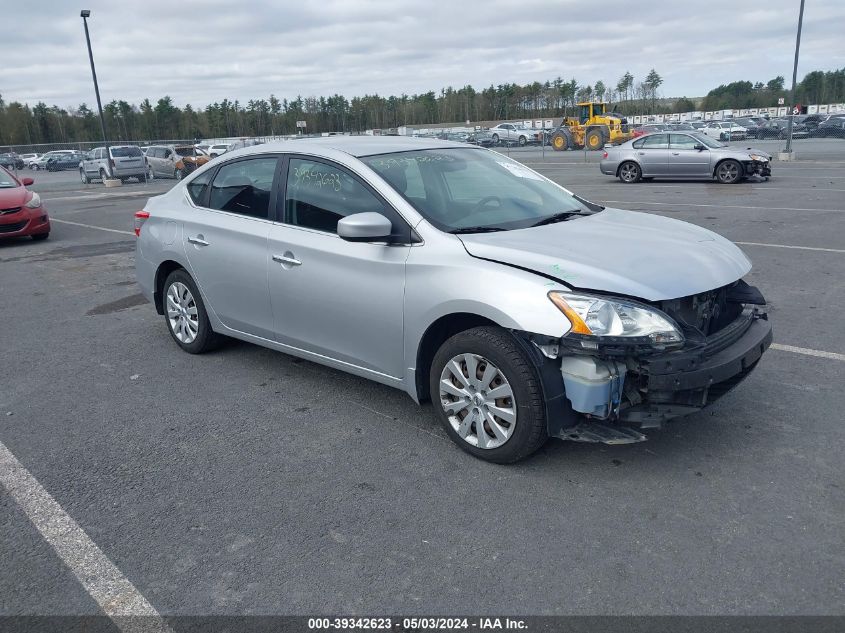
[(22, 124)]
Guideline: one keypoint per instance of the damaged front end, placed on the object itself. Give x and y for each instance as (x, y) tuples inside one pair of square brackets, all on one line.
[(649, 362)]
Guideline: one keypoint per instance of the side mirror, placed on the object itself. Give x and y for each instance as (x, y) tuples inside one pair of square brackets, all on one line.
[(364, 227), (27, 181), (699, 147)]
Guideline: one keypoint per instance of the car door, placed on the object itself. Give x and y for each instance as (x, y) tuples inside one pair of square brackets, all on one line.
[(653, 155), (154, 162), (342, 300), (225, 241), (685, 161), (91, 163)]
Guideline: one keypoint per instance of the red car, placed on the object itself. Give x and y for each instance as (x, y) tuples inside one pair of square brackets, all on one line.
[(21, 212)]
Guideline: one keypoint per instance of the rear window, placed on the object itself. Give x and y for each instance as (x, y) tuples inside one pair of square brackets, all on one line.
[(125, 152)]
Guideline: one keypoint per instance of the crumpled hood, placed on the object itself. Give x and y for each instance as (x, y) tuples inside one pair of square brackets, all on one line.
[(620, 252), (750, 150)]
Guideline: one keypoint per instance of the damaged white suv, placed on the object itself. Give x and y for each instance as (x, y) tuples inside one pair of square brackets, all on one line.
[(458, 275)]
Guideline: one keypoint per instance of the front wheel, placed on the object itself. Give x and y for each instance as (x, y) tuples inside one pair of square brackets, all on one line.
[(488, 396), (187, 319), (729, 172), (523, 141), (630, 172), (84, 177)]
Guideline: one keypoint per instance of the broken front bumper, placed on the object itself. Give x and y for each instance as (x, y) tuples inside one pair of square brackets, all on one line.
[(684, 381)]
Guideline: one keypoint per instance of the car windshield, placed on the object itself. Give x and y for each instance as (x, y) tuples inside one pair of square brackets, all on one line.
[(707, 141), (6, 181), (475, 190), (125, 152)]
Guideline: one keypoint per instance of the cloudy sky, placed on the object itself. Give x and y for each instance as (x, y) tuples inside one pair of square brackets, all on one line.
[(202, 51)]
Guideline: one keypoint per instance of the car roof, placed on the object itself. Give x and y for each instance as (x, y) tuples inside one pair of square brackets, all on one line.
[(357, 146)]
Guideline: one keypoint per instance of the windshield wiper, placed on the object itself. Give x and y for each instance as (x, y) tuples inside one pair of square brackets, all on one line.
[(476, 229), (558, 217)]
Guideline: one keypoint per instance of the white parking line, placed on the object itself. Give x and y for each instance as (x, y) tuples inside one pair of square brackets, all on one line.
[(117, 597), (802, 248), (721, 206), (101, 196), (91, 226), (808, 352)]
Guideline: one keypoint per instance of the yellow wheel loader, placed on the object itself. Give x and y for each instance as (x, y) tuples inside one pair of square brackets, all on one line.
[(592, 128)]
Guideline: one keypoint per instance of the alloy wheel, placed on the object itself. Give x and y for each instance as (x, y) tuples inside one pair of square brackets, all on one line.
[(628, 172), (478, 400), (728, 172), (182, 312)]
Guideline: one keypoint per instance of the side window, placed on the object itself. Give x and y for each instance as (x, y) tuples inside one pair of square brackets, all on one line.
[(656, 141), (681, 141), (403, 175), (243, 187), (198, 186), (319, 194), (167, 153)]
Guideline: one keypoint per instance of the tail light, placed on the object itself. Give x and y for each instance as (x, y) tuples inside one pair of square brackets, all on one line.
[(140, 217), (604, 154)]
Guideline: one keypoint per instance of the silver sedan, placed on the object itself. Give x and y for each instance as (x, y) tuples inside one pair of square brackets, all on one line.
[(685, 155), (457, 275)]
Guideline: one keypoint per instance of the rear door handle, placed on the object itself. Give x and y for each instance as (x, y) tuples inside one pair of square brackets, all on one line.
[(286, 259), (198, 241)]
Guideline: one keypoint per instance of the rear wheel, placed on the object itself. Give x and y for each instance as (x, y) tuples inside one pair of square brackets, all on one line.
[(630, 172), (488, 395), (103, 175), (729, 172), (496, 139), (184, 311)]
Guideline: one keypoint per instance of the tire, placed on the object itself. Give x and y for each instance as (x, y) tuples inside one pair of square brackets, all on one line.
[(522, 141), (150, 174), (781, 135), (629, 172), (594, 140), (194, 335), (495, 139), (38, 237), (103, 176), (729, 172), (84, 177), (34, 167), (560, 142), (518, 428), (177, 174)]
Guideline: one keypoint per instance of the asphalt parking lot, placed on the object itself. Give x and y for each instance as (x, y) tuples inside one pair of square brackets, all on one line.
[(249, 482)]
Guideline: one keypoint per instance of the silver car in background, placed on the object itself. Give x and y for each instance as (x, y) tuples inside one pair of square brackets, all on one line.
[(119, 161), (460, 276), (685, 155)]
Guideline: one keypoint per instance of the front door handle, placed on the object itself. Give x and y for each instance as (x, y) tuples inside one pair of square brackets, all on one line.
[(198, 241), (641, 153), (290, 260), (676, 153)]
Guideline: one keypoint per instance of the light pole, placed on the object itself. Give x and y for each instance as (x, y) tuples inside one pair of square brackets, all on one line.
[(85, 14), (788, 149)]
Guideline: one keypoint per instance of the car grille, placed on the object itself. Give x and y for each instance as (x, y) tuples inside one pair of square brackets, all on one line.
[(12, 228), (10, 211)]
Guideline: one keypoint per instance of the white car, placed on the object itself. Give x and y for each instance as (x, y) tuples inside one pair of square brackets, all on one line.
[(28, 159), (724, 131), (216, 150), (512, 132)]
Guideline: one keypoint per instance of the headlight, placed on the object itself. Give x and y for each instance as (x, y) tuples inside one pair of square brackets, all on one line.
[(610, 318), (757, 157), (34, 202)]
